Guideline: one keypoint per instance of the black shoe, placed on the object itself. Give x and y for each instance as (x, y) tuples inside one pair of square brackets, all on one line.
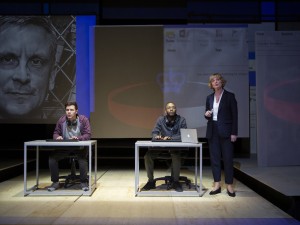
[(150, 185), (177, 186), (231, 194), (218, 191)]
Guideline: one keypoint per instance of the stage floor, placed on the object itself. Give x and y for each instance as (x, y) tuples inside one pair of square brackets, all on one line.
[(114, 202), (284, 179)]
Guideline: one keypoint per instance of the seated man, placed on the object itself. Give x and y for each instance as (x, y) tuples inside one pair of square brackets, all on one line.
[(70, 126), (167, 127)]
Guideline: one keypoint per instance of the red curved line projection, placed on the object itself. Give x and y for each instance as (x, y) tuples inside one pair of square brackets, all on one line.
[(288, 111), (132, 115)]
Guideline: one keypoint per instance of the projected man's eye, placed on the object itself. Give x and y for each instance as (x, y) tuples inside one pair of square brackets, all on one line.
[(8, 61), (36, 63)]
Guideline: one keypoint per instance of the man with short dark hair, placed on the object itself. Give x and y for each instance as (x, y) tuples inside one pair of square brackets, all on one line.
[(70, 126)]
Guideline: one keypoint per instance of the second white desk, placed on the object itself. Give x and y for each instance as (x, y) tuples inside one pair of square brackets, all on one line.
[(198, 186)]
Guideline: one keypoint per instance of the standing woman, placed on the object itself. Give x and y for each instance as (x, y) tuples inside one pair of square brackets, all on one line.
[(222, 129)]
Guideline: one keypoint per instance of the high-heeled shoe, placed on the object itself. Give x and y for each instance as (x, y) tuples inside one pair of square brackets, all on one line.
[(231, 194), (217, 191)]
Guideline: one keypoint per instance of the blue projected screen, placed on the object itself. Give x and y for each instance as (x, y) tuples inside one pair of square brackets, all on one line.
[(84, 63)]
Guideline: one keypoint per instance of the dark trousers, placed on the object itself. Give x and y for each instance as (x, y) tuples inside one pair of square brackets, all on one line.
[(219, 148), (152, 154), (57, 155)]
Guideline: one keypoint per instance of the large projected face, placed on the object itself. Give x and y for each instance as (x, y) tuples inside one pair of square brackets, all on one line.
[(37, 67), (26, 66)]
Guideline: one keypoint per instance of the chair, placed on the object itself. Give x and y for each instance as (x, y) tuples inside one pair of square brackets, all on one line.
[(166, 157), (72, 178)]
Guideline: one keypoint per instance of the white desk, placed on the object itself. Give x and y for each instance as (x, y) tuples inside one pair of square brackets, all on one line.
[(198, 186), (42, 143)]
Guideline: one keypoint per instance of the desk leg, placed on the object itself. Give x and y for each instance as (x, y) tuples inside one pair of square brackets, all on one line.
[(200, 165), (90, 168), (96, 167), (37, 166), (25, 169), (196, 169), (137, 168)]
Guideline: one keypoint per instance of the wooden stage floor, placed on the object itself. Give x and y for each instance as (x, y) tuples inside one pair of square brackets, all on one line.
[(114, 203)]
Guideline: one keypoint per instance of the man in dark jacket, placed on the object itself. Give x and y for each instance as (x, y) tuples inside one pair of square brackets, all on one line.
[(167, 127)]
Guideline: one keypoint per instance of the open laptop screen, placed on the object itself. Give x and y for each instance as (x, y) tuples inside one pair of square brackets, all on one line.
[(189, 135)]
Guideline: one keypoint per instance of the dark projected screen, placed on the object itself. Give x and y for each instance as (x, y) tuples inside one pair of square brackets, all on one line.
[(127, 97)]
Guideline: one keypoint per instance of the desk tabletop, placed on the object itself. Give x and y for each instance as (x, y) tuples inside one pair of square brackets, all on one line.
[(167, 144), (58, 143)]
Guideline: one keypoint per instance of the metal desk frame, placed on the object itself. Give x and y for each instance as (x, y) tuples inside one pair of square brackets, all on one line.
[(42, 143), (198, 187)]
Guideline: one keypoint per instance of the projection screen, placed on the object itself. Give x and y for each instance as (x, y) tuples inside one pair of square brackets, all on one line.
[(278, 121), (140, 68)]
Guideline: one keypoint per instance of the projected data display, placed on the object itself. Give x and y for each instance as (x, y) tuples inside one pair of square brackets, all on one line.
[(191, 55), (278, 104)]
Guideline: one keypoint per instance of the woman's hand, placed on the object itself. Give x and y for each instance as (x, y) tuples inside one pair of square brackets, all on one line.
[(208, 113), (233, 138)]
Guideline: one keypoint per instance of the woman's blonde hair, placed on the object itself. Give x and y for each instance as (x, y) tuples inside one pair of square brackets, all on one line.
[(218, 76)]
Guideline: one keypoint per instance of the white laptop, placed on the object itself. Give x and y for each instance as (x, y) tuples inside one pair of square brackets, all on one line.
[(189, 135)]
